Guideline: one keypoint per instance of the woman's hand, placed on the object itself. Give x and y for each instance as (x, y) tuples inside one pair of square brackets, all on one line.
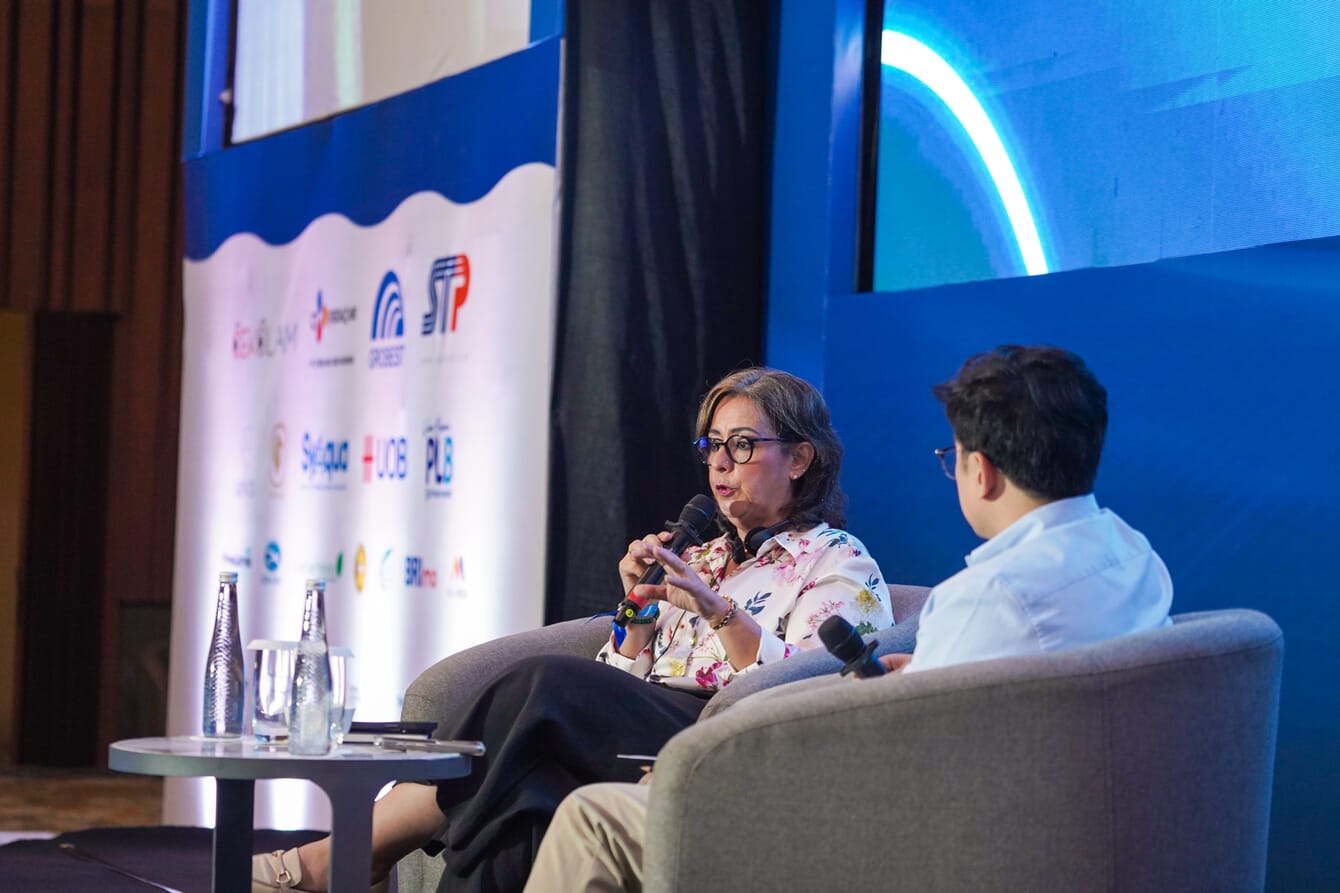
[(641, 555), (686, 588)]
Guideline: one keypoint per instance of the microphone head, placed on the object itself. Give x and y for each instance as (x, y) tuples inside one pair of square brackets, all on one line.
[(698, 514), (841, 638)]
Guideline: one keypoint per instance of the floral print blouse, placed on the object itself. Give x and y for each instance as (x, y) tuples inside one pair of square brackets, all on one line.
[(796, 582)]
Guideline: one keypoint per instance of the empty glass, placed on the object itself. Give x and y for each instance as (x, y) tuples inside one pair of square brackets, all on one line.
[(343, 694), (272, 684)]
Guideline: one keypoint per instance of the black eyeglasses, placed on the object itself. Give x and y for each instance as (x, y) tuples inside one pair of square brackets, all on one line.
[(740, 447), (947, 459)]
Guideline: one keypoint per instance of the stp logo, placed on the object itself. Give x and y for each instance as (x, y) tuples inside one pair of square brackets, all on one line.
[(448, 287)]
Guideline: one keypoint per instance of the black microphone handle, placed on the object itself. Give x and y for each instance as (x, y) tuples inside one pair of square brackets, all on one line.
[(653, 575)]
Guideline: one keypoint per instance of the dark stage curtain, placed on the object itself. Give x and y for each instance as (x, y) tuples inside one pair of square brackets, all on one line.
[(661, 266)]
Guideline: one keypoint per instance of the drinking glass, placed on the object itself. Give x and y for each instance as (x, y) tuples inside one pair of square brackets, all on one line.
[(343, 694), (272, 684)]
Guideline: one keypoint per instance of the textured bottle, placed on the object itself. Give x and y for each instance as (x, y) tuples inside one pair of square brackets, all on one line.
[(309, 715), (225, 691)]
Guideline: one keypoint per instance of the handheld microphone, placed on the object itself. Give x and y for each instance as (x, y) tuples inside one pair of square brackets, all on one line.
[(694, 521), (844, 642)]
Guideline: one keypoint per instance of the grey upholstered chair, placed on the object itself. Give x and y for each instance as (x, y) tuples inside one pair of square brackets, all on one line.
[(1140, 764), (444, 688)]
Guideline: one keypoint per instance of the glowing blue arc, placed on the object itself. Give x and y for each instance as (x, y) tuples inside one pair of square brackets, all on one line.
[(910, 55)]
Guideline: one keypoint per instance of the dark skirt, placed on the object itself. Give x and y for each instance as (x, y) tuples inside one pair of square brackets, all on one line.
[(549, 725)]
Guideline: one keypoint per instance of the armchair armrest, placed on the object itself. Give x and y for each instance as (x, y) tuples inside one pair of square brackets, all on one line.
[(443, 689)]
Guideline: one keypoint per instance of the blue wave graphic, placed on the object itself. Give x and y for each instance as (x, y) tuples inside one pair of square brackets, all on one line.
[(458, 137)]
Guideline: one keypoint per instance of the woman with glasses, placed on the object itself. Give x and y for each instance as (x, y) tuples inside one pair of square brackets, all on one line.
[(752, 596)]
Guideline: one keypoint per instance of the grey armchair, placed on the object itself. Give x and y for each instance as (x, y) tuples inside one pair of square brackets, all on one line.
[(444, 688), (1140, 764)]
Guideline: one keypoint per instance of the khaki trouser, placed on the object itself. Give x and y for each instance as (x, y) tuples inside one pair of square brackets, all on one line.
[(594, 842)]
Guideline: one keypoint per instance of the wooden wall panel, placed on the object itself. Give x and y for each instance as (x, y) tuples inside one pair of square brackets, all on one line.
[(90, 221)]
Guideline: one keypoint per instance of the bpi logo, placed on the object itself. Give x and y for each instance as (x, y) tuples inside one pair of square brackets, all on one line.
[(418, 575), (448, 287), (325, 462), (438, 468), (388, 322), (385, 457), (323, 316)]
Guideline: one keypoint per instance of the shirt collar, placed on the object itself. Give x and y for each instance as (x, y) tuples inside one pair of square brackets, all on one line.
[(793, 541), (1034, 523)]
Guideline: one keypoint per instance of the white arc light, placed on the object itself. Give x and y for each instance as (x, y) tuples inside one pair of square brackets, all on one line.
[(907, 54)]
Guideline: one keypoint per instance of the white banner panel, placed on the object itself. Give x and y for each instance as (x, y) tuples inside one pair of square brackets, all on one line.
[(365, 394)]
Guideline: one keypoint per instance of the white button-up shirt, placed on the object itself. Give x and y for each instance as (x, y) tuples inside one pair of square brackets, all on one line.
[(1066, 574)]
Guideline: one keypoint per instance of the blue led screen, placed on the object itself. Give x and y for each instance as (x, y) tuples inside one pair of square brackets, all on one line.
[(1040, 136)]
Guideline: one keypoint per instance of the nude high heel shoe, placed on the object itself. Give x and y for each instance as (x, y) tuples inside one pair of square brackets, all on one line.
[(279, 870)]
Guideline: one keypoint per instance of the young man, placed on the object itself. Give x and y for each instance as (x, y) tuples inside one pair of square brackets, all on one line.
[(1055, 572)]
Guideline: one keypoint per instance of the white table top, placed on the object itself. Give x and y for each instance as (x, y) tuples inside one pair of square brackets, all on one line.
[(241, 758)]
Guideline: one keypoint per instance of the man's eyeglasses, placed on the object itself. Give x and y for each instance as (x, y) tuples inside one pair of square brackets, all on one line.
[(948, 459), (740, 447)]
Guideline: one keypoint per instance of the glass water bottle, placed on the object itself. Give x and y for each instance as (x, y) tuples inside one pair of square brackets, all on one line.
[(225, 691), (309, 716)]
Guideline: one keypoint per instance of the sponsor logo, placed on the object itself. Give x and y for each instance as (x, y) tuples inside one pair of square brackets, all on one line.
[(325, 462), (360, 568), (272, 559), (438, 469), (242, 559), (322, 318), (455, 583), (326, 570), (386, 571), (278, 437), (261, 340), (418, 575), (388, 323), (385, 458), (448, 288)]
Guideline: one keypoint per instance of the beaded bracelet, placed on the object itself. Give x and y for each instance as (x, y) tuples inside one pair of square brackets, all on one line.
[(730, 613)]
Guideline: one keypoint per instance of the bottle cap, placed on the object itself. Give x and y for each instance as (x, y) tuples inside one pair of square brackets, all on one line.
[(315, 583), (227, 576)]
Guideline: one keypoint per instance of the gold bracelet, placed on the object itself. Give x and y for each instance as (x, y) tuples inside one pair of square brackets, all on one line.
[(726, 618)]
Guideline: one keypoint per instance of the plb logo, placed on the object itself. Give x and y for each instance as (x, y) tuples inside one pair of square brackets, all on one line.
[(448, 287), (388, 322), (385, 458), (418, 575), (439, 467), (325, 462)]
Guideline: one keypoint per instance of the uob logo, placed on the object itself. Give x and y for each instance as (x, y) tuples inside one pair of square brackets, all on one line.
[(448, 287), (388, 322), (385, 457)]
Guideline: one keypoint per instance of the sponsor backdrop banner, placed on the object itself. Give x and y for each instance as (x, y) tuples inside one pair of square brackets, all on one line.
[(365, 393)]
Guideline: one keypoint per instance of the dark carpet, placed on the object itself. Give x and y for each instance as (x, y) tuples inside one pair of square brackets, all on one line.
[(107, 860)]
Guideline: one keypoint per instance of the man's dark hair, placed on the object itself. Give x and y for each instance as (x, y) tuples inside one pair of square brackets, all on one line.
[(1037, 413)]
